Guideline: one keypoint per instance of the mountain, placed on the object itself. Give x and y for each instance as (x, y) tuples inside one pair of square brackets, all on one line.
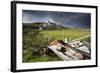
[(44, 25)]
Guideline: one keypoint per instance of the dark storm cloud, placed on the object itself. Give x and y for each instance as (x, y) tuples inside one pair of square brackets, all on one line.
[(70, 19)]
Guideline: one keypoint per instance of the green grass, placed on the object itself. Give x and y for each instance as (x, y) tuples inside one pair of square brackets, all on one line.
[(68, 33), (34, 39), (45, 58)]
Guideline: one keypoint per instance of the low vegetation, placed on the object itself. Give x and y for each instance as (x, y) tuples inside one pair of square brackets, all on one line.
[(34, 39)]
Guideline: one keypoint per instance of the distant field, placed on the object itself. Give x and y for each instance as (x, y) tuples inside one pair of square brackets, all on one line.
[(68, 33)]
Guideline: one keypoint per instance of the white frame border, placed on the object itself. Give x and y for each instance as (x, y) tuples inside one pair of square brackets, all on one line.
[(21, 65)]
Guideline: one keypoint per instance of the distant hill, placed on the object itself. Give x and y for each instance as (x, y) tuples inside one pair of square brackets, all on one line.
[(43, 25)]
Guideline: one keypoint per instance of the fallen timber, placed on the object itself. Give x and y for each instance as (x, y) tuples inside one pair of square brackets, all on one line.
[(60, 54), (68, 55), (87, 55)]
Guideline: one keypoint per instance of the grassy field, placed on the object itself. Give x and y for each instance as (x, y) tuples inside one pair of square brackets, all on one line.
[(68, 33), (34, 39)]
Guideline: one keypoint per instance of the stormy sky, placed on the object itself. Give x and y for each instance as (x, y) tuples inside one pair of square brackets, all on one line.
[(70, 19)]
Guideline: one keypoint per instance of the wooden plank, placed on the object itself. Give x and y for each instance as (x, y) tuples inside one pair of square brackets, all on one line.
[(77, 50), (60, 54)]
